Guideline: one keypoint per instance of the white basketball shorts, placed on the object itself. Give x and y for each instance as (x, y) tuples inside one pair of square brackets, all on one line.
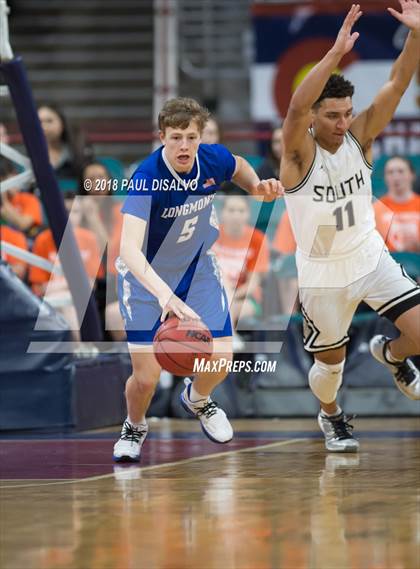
[(328, 312)]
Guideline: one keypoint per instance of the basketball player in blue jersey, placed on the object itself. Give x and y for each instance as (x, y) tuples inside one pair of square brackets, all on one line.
[(165, 264), (341, 258)]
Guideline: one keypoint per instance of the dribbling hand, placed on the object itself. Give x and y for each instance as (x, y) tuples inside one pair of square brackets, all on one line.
[(345, 38), (178, 308)]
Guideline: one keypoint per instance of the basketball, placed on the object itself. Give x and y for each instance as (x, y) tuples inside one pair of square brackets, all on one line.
[(177, 344)]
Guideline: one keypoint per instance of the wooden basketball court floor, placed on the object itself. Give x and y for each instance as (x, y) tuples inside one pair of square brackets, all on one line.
[(273, 498)]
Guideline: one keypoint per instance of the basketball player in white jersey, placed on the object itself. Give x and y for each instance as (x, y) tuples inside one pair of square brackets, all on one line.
[(341, 258)]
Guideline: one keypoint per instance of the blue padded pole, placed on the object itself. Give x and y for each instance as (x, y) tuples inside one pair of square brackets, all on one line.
[(33, 136)]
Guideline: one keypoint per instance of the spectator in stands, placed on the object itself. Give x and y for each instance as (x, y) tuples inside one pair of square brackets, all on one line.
[(284, 240), (17, 238), (102, 216), (211, 132), (4, 135), (270, 167), (54, 287), (21, 210), (271, 164), (398, 211), (67, 149), (285, 244), (243, 255), (211, 135)]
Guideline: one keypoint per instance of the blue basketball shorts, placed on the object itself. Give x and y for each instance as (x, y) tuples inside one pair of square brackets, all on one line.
[(200, 287)]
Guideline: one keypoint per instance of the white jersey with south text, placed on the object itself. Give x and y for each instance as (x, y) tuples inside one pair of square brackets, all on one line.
[(332, 218)]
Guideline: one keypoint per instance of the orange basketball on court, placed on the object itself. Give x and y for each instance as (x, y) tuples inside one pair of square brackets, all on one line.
[(178, 343)]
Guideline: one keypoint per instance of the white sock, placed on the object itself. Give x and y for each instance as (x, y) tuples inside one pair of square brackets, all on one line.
[(335, 414), (195, 396), (137, 426), (390, 357)]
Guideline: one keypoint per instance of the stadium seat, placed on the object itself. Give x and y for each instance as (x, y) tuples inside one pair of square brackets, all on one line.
[(68, 185)]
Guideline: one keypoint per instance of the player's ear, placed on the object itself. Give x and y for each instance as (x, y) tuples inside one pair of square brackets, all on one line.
[(162, 136)]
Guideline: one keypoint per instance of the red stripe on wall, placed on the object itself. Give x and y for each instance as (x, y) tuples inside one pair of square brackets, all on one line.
[(320, 7)]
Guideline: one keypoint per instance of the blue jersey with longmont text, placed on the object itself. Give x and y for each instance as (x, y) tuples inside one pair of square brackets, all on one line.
[(178, 208)]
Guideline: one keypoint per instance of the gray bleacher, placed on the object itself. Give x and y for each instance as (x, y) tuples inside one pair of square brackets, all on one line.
[(95, 59)]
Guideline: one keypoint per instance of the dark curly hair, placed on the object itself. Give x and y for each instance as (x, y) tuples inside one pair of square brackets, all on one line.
[(336, 88)]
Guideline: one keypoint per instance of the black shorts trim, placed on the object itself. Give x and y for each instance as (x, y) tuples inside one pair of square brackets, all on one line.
[(310, 331), (313, 333), (396, 311), (327, 347), (357, 143), (305, 179), (406, 275), (397, 300)]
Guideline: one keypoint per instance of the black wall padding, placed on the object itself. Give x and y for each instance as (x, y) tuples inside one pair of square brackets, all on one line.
[(35, 388)]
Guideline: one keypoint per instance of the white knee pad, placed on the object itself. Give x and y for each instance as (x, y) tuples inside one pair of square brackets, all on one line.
[(325, 380)]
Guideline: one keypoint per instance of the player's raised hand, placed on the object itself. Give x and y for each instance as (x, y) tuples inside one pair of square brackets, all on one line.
[(179, 308), (410, 14), (268, 190), (345, 37)]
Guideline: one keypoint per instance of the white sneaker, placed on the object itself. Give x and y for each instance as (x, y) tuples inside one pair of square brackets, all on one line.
[(338, 433), (406, 375), (128, 447), (214, 423)]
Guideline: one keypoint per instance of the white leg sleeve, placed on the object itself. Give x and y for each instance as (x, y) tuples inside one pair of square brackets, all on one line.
[(325, 380)]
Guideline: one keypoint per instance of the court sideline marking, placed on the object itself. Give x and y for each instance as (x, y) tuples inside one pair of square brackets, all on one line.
[(157, 466)]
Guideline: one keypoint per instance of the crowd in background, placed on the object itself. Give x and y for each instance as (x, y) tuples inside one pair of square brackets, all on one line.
[(253, 237)]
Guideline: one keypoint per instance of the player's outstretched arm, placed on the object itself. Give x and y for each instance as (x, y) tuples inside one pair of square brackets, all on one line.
[(298, 116), (374, 119), (132, 237), (246, 178)]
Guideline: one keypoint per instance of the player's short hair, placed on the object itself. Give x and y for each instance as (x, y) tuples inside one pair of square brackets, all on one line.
[(179, 112), (336, 88)]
